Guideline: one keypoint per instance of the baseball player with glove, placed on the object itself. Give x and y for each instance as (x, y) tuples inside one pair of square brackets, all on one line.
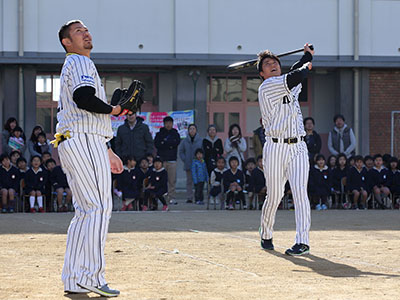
[(83, 133), (285, 154)]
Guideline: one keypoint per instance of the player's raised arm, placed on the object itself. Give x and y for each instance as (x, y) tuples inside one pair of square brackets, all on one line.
[(299, 71)]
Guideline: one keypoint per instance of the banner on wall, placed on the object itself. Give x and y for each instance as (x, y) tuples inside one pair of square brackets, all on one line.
[(182, 120)]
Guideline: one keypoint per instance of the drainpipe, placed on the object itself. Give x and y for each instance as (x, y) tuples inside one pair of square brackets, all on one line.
[(356, 77), (21, 106)]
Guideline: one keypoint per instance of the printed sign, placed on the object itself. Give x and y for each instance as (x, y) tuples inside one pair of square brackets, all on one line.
[(182, 120)]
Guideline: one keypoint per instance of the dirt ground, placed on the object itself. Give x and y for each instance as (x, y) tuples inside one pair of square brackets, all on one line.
[(211, 255)]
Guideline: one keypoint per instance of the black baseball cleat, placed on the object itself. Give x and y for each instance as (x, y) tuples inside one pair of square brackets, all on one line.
[(298, 249), (267, 244)]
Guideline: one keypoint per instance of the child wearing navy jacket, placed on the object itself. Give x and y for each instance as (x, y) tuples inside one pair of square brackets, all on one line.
[(128, 183), (216, 180), (394, 181), (338, 174), (233, 180), (58, 181), (22, 166), (9, 183), (158, 185), (319, 183), (380, 180), (144, 174), (249, 166), (35, 180), (259, 182), (199, 175), (358, 183)]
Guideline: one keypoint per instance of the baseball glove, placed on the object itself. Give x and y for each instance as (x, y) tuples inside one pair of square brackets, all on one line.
[(130, 99)]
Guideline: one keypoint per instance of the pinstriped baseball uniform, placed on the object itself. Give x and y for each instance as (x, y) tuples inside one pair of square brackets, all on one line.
[(85, 161), (282, 118)]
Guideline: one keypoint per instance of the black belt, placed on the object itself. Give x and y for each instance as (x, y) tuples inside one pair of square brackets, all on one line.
[(290, 140)]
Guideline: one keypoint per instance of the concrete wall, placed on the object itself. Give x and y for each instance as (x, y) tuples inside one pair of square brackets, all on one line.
[(206, 27)]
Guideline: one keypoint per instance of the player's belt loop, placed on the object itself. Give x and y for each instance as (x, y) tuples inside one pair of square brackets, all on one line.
[(289, 141), (60, 137)]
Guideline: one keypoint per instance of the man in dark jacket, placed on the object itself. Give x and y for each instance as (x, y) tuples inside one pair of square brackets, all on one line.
[(133, 138), (167, 141)]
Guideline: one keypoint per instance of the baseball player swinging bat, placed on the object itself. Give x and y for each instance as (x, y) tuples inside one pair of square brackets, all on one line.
[(252, 62)]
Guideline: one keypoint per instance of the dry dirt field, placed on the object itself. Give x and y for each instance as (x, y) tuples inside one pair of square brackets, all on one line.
[(211, 255)]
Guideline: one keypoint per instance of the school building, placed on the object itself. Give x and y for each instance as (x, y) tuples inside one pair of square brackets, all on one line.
[(180, 50)]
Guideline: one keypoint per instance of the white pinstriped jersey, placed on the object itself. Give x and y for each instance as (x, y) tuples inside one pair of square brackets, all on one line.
[(280, 108), (78, 71)]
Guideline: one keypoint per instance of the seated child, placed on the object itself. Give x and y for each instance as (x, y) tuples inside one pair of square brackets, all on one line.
[(394, 181), (338, 174), (216, 179), (157, 187), (249, 166), (143, 182), (199, 175), (150, 159), (260, 190), (379, 180), (128, 183), (35, 180), (9, 183), (17, 141), (58, 180), (42, 145), (14, 155), (233, 180), (358, 183), (22, 167), (319, 183)]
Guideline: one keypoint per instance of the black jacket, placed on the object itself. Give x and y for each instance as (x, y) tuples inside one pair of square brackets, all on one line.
[(167, 142), (129, 182), (35, 181), (319, 182), (313, 142), (258, 179), (358, 179), (137, 141), (58, 179), (212, 150), (9, 179), (159, 179), (229, 177)]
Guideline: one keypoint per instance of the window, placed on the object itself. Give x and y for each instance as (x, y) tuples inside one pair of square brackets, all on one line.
[(47, 94), (226, 89)]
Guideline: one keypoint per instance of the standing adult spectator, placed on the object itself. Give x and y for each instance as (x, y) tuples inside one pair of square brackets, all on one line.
[(235, 144), (312, 139), (167, 141), (9, 127), (33, 140), (133, 138), (187, 150), (341, 139), (258, 140), (213, 148)]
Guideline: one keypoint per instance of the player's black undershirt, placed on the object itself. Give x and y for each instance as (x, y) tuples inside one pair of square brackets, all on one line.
[(85, 98), (298, 72)]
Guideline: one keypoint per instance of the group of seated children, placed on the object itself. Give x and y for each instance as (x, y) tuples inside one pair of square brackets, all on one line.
[(234, 183), (364, 177), (144, 185), (36, 181)]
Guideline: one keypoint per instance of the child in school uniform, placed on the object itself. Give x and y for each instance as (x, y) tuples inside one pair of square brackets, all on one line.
[(14, 155), (43, 144), (158, 185), (358, 183), (150, 159), (216, 180), (338, 174), (319, 183), (260, 190), (380, 176), (35, 180), (9, 183), (144, 174), (199, 175), (394, 181), (249, 166), (58, 180), (22, 166), (17, 140), (128, 183), (233, 180)]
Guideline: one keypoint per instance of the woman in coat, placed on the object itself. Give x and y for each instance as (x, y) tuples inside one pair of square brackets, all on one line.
[(235, 144)]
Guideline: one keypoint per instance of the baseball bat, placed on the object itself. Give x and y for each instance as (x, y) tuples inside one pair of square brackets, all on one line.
[(252, 62)]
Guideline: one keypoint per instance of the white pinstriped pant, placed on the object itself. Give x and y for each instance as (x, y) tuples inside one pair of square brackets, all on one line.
[(284, 162), (85, 161)]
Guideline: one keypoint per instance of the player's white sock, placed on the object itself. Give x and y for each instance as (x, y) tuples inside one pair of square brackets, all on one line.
[(32, 201), (40, 201)]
